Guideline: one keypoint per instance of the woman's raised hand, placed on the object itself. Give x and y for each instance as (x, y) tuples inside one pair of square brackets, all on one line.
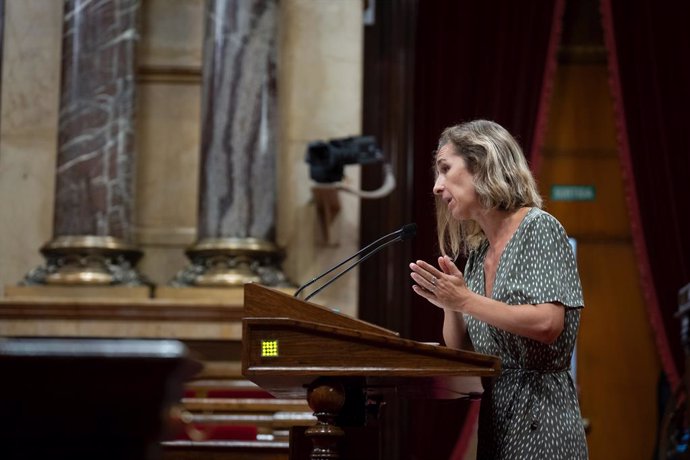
[(444, 288)]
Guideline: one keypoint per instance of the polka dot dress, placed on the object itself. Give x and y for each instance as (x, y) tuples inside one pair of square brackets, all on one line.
[(531, 410)]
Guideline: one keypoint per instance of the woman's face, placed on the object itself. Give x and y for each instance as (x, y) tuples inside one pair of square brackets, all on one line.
[(455, 185)]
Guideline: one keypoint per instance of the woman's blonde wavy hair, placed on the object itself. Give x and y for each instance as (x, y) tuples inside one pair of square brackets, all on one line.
[(502, 180)]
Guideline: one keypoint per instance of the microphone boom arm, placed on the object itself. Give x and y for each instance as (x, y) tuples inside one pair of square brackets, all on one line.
[(360, 260), (396, 234)]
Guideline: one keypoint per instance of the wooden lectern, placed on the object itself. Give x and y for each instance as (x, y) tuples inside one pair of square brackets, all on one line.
[(345, 368)]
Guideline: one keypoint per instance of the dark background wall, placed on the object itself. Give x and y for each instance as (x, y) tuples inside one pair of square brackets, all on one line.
[(617, 364)]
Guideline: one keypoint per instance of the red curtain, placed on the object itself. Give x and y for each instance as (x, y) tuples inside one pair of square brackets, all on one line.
[(492, 59), (648, 48)]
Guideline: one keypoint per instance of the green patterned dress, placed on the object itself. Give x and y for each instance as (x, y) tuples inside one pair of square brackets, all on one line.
[(531, 410)]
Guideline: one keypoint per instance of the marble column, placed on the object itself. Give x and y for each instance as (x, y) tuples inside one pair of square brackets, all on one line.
[(92, 231), (236, 221)]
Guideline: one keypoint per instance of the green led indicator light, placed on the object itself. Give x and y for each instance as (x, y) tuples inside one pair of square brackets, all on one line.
[(269, 348)]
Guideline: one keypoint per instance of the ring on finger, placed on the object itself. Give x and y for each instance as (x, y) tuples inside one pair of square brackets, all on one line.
[(433, 281)]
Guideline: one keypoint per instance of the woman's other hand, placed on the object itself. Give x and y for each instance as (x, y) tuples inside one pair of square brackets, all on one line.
[(444, 286)]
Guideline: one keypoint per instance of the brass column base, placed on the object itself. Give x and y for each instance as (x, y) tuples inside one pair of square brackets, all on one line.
[(232, 262), (85, 260)]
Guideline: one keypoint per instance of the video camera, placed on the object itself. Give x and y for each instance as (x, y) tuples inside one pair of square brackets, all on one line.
[(327, 159)]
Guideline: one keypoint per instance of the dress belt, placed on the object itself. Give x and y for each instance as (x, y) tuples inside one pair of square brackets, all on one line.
[(534, 371), (535, 412)]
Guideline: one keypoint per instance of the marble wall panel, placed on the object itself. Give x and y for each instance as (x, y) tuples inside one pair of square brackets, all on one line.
[(167, 176), (172, 34), (28, 136), (321, 79), (319, 87), (168, 134)]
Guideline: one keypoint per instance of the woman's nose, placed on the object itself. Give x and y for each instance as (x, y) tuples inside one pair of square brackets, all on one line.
[(438, 186)]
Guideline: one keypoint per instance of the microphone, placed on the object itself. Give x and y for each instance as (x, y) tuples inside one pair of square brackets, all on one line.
[(407, 232), (409, 229)]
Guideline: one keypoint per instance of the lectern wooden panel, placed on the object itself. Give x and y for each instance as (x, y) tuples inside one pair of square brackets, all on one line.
[(298, 349)]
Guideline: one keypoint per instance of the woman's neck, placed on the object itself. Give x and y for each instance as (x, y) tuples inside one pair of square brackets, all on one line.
[(499, 226)]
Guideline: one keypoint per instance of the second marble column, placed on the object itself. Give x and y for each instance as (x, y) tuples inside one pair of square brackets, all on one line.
[(236, 225)]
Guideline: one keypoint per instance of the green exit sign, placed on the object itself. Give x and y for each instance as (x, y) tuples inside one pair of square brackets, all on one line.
[(573, 193)]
